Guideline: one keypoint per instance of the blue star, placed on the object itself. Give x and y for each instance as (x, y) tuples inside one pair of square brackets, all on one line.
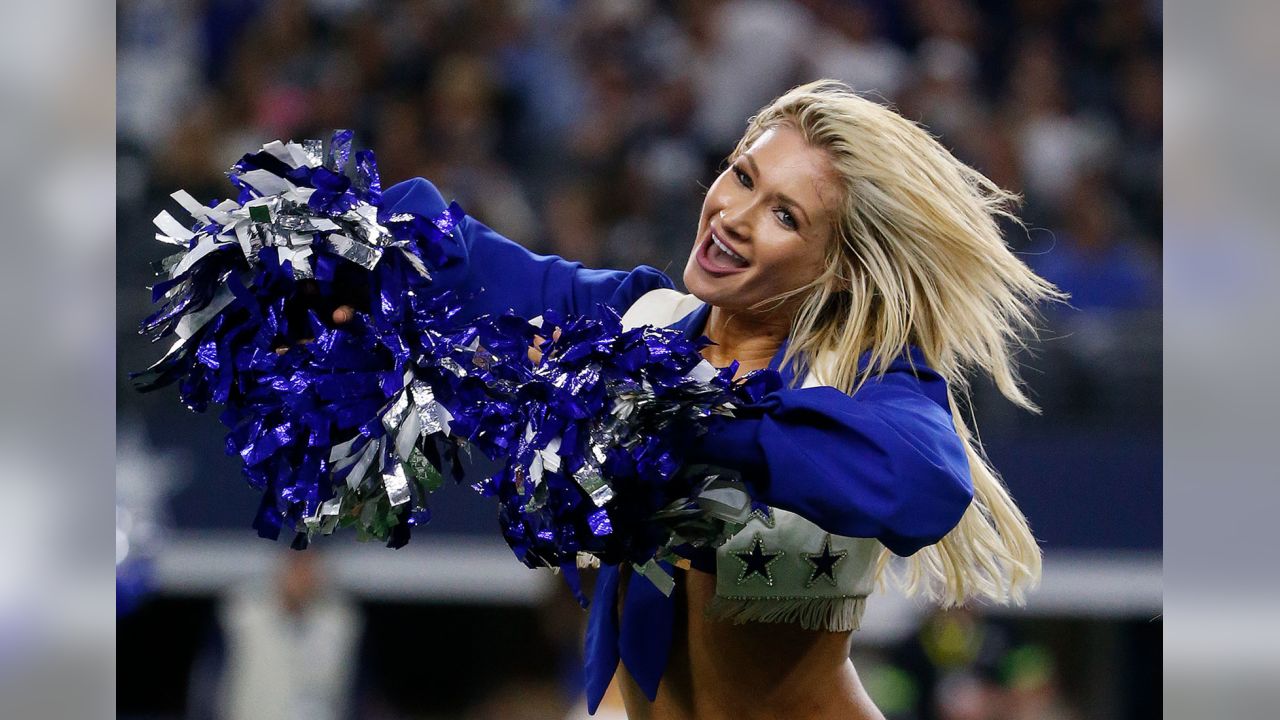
[(756, 561), (824, 563)]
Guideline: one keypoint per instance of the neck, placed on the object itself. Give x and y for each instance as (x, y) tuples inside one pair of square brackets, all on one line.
[(752, 340)]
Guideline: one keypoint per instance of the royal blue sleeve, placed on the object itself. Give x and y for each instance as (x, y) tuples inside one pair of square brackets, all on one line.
[(493, 274), (886, 463)]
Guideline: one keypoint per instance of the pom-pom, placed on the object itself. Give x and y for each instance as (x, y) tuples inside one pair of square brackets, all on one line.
[(328, 421), (598, 464), (352, 425)]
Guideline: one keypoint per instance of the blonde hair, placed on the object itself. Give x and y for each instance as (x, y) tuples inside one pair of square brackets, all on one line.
[(919, 259)]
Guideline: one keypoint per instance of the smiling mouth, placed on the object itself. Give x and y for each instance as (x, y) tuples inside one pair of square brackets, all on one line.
[(716, 257)]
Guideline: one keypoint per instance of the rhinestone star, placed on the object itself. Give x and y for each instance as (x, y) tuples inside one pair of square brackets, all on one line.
[(824, 563), (756, 561)]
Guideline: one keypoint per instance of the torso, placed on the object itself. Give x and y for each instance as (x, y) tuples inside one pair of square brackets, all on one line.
[(718, 670), (752, 671)]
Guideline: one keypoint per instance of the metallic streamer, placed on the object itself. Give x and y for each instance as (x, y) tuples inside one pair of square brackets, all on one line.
[(396, 485), (348, 430)]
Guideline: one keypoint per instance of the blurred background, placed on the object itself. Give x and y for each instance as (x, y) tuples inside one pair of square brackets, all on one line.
[(589, 129)]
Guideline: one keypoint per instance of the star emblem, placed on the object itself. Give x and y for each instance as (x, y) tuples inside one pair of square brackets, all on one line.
[(756, 561), (763, 512), (824, 563)]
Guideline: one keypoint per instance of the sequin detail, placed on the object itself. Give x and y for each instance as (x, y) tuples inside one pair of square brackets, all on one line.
[(757, 561), (824, 563)]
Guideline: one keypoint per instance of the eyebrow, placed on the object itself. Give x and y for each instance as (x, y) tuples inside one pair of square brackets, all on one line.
[(784, 198)]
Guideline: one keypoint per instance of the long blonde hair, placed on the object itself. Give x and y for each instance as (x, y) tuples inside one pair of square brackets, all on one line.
[(919, 259)]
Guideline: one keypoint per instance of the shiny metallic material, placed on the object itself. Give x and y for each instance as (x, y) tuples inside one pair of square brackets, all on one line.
[(396, 485)]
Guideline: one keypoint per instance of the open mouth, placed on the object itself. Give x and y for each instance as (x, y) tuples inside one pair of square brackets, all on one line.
[(716, 257)]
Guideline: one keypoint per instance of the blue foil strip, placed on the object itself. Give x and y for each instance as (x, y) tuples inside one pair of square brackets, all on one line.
[(607, 414)]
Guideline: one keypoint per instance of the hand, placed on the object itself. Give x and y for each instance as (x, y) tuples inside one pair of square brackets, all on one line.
[(309, 298), (535, 350)]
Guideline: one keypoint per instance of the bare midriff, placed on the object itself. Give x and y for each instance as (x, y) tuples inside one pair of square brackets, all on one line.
[(752, 671)]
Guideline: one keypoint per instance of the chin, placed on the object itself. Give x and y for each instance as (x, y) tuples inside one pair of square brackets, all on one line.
[(698, 284), (709, 291), (692, 282)]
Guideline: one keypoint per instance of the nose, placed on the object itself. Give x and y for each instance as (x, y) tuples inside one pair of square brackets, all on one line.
[(735, 223)]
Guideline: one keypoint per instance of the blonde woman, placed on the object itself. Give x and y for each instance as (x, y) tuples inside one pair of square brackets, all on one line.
[(848, 249)]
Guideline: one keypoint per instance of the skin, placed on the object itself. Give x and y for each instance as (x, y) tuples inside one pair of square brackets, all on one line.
[(754, 671), (775, 206)]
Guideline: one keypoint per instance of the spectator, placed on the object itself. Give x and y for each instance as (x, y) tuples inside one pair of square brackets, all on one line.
[(267, 628)]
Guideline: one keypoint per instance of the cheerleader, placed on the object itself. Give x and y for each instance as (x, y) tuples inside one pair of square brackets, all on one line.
[(846, 248)]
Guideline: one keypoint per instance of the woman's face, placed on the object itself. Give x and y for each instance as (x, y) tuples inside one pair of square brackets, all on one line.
[(765, 224)]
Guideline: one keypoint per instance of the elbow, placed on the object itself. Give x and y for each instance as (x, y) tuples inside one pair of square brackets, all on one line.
[(930, 513)]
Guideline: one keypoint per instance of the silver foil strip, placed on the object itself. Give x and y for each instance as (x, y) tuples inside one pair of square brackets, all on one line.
[(424, 401), (594, 484), (357, 252), (396, 485)]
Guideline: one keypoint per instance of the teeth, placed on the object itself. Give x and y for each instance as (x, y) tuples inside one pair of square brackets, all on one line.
[(726, 250)]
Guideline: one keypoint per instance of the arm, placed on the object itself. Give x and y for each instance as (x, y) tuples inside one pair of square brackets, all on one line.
[(494, 274), (886, 463)]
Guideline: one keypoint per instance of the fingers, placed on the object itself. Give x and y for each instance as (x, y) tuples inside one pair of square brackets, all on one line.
[(341, 315), (311, 299), (282, 349), (535, 354), (535, 350)]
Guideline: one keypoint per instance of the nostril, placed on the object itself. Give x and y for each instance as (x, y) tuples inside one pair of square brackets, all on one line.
[(732, 233)]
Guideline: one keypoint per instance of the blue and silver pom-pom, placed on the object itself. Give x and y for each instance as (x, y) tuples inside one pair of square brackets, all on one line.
[(350, 426), (597, 468), (333, 430)]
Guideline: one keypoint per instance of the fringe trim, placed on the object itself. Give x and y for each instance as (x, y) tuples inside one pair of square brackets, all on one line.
[(830, 614)]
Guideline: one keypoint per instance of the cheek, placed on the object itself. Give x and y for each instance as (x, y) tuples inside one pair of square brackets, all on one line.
[(719, 195), (817, 264), (802, 266)]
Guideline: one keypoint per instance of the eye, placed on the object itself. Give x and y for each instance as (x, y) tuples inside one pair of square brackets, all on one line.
[(786, 218), (743, 178)]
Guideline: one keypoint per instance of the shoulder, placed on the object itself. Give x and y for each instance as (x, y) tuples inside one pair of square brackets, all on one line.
[(661, 305), (638, 288)]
